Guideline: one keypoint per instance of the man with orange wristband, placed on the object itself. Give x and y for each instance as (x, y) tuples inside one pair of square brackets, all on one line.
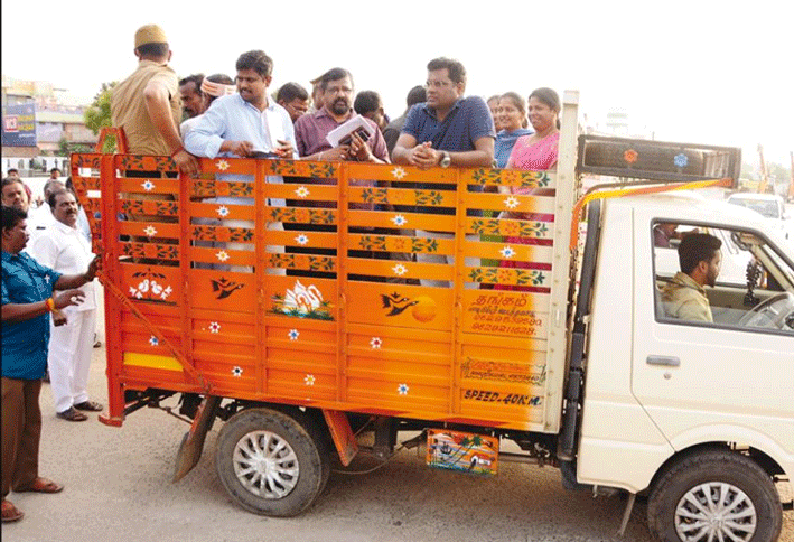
[(28, 295)]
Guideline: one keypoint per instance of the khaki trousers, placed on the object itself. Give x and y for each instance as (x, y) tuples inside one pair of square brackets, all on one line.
[(21, 427)]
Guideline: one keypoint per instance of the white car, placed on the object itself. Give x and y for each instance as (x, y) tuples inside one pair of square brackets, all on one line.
[(769, 206)]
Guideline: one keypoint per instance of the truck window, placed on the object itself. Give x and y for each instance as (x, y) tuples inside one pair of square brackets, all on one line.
[(705, 275)]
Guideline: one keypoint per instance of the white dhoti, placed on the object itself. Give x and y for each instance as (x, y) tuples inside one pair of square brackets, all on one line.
[(63, 248), (69, 357)]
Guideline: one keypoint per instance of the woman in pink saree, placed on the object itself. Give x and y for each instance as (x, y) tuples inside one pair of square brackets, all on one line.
[(535, 152)]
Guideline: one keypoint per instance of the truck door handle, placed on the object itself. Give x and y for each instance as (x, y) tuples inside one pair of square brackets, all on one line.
[(669, 361)]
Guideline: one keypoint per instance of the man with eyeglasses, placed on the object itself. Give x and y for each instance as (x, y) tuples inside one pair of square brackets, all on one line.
[(293, 98), (448, 130)]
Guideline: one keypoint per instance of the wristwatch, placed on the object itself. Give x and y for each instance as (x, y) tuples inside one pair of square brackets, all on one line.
[(445, 159)]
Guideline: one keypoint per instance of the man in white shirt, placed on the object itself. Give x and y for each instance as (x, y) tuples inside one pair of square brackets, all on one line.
[(65, 249), (41, 217), (245, 125)]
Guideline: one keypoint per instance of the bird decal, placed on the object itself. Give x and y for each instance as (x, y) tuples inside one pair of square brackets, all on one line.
[(396, 303), (225, 287)]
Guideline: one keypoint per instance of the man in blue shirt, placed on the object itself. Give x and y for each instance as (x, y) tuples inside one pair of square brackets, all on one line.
[(448, 130), (27, 297)]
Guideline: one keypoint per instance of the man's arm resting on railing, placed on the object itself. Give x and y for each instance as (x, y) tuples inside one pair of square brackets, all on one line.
[(407, 152), (157, 104)]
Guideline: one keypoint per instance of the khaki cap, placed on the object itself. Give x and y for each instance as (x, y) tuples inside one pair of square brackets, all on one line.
[(151, 33)]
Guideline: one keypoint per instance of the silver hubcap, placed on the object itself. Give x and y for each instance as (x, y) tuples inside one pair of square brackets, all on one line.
[(266, 465), (715, 512)]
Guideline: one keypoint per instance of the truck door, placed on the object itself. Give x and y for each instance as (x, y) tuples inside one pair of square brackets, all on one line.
[(727, 380)]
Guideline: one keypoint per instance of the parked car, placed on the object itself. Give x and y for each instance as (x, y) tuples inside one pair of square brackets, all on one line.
[(769, 206)]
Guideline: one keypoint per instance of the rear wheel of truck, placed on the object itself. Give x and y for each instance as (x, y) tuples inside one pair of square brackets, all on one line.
[(270, 463), (715, 495)]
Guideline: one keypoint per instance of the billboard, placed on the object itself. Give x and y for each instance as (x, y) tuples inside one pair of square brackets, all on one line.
[(19, 125)]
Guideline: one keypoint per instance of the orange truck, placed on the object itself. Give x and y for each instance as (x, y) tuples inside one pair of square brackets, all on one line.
[(305, 304)]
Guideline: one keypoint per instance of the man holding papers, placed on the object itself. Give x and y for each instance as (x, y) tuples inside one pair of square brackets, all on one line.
[(359, 140)]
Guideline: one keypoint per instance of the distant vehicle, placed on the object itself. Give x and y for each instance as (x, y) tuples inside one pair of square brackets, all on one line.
[(769, 206)]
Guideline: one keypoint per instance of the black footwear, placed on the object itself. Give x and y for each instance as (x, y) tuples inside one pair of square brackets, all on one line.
[(71, 415), (90, 406)]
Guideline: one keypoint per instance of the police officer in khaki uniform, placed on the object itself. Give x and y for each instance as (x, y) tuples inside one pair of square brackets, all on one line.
[(146, 104)]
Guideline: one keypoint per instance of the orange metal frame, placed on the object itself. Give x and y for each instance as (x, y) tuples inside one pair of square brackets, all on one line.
[(212, 294)]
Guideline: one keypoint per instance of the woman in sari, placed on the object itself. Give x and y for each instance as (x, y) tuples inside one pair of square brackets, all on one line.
[(535, 152), (511, 115)]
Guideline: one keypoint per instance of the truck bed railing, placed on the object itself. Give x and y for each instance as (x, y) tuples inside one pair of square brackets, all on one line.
[(346, 286)]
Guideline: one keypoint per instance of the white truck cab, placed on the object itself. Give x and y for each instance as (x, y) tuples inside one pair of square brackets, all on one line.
[(670, 403)]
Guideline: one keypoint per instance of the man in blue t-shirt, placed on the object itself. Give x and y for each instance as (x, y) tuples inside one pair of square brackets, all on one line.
[(27, 297), (448, 130)]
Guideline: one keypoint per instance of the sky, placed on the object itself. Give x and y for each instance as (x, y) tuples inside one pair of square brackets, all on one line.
[(694, 71)]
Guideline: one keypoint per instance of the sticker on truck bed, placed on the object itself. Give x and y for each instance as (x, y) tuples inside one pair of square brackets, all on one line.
[(465, 452)]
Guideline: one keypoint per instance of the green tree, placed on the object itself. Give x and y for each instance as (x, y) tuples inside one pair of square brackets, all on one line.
[(782, 173), (97, 116), (747, 171), (63, 147)]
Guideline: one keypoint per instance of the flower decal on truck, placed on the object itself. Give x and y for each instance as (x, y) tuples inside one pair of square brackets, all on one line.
[(398, 173), (511, 202)]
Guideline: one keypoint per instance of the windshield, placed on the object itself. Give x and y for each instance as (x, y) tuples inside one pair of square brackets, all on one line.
[(768, 209)]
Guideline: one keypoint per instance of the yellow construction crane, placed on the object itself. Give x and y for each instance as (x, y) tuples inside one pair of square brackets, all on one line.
[(764, 175)]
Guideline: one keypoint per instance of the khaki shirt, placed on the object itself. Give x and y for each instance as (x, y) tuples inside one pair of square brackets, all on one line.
[(685, 299), (128, 108)]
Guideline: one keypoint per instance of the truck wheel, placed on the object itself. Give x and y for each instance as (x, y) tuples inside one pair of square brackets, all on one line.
[(715, 495), (269, 463)]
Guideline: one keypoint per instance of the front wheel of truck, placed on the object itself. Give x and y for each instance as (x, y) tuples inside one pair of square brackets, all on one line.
[(269, 463), (715, 495)]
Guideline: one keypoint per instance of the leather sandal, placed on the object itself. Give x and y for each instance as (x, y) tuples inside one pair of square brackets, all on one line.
[(71, 415), (90, 406), (40, 485), (10, 512)]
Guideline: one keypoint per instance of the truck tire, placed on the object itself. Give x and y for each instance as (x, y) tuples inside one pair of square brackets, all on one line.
[(715, 492), (269, 463)]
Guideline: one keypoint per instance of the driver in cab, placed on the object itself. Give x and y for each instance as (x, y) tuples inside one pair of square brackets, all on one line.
[(685, 297)]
